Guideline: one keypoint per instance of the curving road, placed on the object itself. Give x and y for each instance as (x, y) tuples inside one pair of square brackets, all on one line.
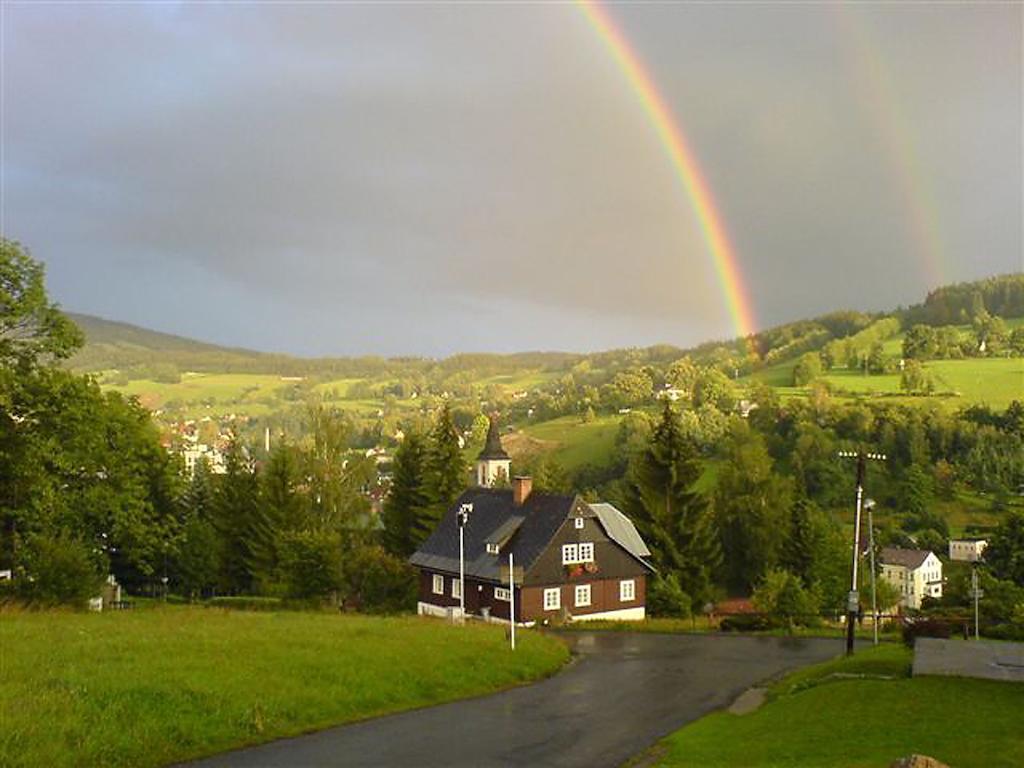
[(622, 693)]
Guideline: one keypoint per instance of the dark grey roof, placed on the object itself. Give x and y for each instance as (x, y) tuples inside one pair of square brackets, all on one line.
[(493, 515), (621, 530), (908, 558), (492, 448)]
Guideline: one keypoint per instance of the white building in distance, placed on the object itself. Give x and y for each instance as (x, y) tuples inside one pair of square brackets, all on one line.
[(916, 574), (967, 550)]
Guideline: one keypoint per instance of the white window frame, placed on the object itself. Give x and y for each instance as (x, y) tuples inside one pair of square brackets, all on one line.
[(582, 589), (570, 554), (586, 551), (552, 599), (627, 590), (492, 548), (456, 588), (579, 523), (438, 584), (500, 593)]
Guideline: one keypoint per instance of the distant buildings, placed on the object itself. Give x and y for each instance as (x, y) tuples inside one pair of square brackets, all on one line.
[(967, 550), (915, 573), (196, 453)]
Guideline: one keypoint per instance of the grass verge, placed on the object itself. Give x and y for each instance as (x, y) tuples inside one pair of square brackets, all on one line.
[(150, 687), (862, 711)]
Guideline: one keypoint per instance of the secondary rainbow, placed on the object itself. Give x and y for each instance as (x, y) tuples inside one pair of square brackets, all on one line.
[(683, 162)]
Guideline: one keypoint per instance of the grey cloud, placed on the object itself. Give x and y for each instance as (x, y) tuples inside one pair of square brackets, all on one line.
[(458, 177)]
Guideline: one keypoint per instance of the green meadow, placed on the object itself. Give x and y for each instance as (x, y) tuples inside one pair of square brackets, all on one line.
[(576, 443), (159, 685), (859, 712)]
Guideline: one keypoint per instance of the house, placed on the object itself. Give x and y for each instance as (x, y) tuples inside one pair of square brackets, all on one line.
[(916, 574), (967, 550), (571, 559)]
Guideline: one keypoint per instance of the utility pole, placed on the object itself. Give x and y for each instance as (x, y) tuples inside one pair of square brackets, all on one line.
[(853, 599), (463, 517), (976, 594), (870, 505), (512, 600)]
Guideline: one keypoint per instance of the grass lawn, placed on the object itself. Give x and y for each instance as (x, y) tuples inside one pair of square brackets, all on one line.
[(154, 686), (579, 443), (864, 711)]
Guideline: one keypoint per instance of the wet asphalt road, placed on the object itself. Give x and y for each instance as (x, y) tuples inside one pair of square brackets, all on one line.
[(622, 693)]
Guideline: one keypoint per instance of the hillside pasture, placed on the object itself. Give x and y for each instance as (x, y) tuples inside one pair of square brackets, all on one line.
[(155, 686), (576, 443)]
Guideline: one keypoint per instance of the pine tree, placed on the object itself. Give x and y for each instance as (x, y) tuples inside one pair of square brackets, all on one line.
[(446, 472), (800, 548), (239, 521), (283, 509), (673, 518), (409, 499)]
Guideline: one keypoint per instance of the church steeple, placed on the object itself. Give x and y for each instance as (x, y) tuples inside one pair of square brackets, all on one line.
[(493, 464)]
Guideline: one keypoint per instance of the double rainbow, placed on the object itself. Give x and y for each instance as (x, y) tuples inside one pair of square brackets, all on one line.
[(684, 163)]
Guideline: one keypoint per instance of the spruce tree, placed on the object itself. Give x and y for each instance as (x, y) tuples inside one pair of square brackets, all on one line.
[(673, 518), (446, 473), (239, 522), (800, 547), (409, 498)]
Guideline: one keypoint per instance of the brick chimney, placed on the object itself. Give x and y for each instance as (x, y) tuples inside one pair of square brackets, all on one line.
[(521, 487)]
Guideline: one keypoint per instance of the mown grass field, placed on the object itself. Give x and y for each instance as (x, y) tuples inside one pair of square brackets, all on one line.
[(578, 443), (861, 712), (154, 686)]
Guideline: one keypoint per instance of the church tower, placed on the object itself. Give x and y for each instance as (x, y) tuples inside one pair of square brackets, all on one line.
[(493, 465)]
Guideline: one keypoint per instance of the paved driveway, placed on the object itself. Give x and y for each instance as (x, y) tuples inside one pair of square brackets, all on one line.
[(622, 693)]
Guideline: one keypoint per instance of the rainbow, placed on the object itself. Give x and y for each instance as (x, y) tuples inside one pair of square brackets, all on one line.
[(685, 164), (877, 91)]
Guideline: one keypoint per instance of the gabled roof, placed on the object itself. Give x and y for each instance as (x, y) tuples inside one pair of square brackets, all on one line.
[(908, 558), (527, 530), (620, 529)]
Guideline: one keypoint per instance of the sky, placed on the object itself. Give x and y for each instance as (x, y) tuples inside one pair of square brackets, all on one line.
[(338, 179)]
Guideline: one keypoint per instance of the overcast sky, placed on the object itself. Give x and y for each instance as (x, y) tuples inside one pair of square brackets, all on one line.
[(427, 179)]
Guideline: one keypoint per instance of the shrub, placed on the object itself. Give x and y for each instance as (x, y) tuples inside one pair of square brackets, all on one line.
[(311, 564), (59, 570), (247, 603), (377, 582), (783, 597), (745, 622), (926, 628), (665, 597)]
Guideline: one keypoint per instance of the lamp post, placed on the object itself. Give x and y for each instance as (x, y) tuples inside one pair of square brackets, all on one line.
[(853, 599), (463, 517), (869, 504)]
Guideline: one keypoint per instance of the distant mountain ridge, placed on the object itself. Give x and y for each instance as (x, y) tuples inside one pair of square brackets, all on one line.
[(117, 345)]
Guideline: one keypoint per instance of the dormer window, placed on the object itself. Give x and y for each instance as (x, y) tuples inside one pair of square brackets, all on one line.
[(492, 548)]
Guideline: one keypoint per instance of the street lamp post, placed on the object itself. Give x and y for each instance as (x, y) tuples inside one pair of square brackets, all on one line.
[(869, 505), (853, 599), (464, 512)]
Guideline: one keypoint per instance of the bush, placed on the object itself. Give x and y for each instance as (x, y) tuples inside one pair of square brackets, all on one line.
[(311, 564), (378, 582), (783, 597), (746, 622), (247, 603), (59, 570), (1009, 631), (926, 628), (665, 597)]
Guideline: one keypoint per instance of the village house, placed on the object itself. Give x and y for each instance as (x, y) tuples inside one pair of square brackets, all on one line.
[(915, 573), (571, 559), (967, 550)]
